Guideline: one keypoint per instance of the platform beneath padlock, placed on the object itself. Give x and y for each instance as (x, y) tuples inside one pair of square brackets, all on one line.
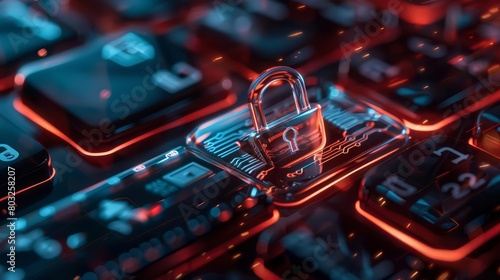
[(357, 136)]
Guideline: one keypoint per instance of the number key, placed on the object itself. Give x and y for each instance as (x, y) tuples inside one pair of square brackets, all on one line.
[(441, 191)]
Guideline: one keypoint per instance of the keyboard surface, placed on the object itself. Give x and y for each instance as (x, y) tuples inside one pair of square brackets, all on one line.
[(250, 139)]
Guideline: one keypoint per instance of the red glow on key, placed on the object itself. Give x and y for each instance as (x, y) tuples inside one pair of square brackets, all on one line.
[(211, 254), (480, 104), (155, 210), (416, 13), (35, 185), (473, 142), (447, 255), (262, 272), (224, 216), (331, 183), (33, 116)]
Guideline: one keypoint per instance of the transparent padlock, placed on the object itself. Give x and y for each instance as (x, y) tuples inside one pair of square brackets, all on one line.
[(293, 137)]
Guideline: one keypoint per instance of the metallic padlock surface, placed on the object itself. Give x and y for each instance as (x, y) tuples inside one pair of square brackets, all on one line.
[(293, 137)]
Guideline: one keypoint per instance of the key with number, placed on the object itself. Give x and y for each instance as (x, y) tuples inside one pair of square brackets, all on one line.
[(440, 193)]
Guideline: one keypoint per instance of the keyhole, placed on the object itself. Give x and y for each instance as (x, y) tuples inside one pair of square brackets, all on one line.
[(290, 136)]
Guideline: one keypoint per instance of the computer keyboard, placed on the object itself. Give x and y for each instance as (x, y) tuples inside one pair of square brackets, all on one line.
[(250, 139)]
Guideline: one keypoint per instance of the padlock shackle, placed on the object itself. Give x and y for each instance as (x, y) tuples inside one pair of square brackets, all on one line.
[(265, 79)]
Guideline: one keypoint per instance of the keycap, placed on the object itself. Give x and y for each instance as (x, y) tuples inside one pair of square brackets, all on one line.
[(256, 32), (327, 244), (426, 82), (28, 33), (120, 89), (25, 167), (262, 34), (439, 197), (137, 219)]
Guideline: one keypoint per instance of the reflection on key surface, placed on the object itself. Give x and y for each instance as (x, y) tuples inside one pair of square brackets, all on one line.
[(441, 191), (118, 88), (25, 166)]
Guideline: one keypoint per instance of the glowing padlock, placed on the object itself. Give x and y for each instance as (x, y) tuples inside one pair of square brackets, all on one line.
[(293, 137)]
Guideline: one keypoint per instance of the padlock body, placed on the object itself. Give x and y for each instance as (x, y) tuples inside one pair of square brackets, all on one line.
[(290, 139)]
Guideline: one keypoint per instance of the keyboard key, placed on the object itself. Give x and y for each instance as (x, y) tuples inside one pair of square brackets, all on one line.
[(127, 225), (262, 34), (25, 166), (426, 82), (121, 89), (256, 32), (439, 194), (27, 33)]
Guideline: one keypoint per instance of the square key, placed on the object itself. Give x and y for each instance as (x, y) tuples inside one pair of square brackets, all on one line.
[(326, 243), (440, 194), (120, 89), (258, 35), (255, 35), (426, 82)]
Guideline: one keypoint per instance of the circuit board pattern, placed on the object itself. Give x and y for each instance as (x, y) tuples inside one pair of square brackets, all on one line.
[(355, 133)]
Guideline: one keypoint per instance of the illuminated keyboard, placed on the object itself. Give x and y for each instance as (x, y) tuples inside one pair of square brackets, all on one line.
[(237, 139)]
